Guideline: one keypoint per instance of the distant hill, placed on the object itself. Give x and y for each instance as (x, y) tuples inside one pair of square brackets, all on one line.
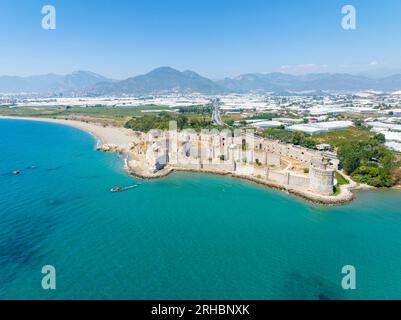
[(166, 80), (77, 81), (389, 84), (322, 81), (161, 80)]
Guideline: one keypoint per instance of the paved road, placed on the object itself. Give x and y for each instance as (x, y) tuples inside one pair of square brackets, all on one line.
[(216, 118)]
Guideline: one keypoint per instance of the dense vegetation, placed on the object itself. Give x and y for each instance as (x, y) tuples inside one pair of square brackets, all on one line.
[(295, 137), (362, 153), (161, 121), (369, 161), (201, 109)]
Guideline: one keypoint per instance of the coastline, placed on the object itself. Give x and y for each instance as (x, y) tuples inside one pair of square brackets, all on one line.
[(346, 195), (118, 139)]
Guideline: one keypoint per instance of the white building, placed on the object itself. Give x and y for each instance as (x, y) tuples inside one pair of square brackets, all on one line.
[(307, 128), (396, 146), (321, 127), (378, 126), (392, 136), (267, 124)]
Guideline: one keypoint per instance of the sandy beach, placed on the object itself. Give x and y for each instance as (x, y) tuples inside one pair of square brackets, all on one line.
[(107, 135), (117, 139)]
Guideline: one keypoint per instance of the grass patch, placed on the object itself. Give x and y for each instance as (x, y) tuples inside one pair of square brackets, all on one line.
[(341, 180), (337, 138)]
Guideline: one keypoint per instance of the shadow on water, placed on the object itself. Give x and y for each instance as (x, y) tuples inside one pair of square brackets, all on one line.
[(59, 167), (301, 287), (20, 241), (54, 168), (55, 202)]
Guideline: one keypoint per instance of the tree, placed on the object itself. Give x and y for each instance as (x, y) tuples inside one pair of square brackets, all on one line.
[(368, 161), (358, 123), (309, 143), (182, 121), (297, 137), (350, 157), (380, 137)]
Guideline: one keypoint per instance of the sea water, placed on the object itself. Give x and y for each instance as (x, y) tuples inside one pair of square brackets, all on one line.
[(187, 236)]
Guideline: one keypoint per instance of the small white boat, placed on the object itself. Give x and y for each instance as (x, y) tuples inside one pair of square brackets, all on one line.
[(16, 172), (121, 189)]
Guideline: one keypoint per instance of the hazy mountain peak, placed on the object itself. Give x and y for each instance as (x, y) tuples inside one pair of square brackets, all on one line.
[(168, 80), (280, 82), (51, 83), (161, 80), (164, 69)]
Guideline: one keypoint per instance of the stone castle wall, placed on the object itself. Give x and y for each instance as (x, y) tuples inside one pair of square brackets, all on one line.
[(239, 155)]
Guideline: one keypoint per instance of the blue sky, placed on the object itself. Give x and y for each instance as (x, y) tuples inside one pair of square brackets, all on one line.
[(216, 38)]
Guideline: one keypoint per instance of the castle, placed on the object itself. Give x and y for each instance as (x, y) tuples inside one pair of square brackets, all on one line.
[(240, 154)]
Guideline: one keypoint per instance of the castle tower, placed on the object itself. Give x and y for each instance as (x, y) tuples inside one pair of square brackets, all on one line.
[(321, 178)]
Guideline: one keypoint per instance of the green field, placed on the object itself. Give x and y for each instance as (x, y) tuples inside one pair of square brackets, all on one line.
[(336, 138), (98, 111)]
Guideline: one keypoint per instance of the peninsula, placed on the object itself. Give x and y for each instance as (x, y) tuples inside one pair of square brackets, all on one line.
[(310, 174)]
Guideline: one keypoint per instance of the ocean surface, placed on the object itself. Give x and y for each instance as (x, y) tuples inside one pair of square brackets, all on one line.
[(188, 236)]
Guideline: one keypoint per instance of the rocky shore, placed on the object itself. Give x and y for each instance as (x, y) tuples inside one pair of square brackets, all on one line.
[(346, 195)]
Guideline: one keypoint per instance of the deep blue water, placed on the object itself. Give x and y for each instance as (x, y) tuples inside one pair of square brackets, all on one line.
[(188, 236)]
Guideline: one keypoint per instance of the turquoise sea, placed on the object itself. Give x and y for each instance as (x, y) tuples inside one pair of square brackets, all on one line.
[(188, 236)]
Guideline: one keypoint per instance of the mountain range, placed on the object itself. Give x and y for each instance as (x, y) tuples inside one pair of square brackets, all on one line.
[(160, 80), (77, 81), (165, 80)]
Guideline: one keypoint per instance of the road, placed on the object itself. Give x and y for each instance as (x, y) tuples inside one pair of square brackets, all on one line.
[(216, 118)]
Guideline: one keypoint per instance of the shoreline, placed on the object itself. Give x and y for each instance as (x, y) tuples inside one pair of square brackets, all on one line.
[(118, 140), (345, 197), (106, 135)]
